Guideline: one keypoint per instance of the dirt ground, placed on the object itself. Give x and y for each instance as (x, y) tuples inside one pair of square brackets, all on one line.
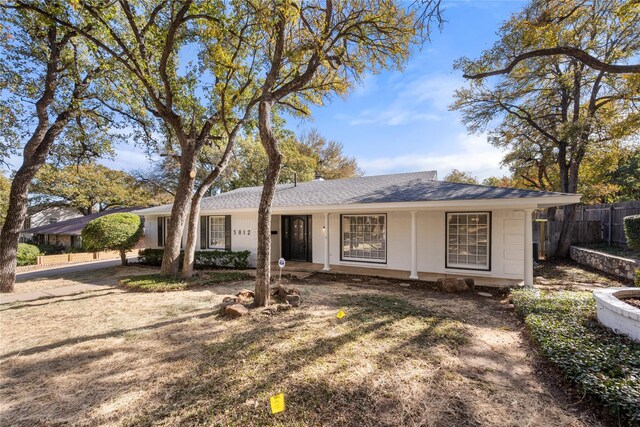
[(400, 357), (569, 275)]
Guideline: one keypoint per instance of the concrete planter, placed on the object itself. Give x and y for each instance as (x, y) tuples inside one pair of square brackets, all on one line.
[(620, 317), (618, 266)]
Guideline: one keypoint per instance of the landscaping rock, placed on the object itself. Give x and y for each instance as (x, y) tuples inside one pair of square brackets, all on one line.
[(229, 300), (283, 307), (405, 285), (293, 300), (378, 282), (245, 294), (280, 293), (236, 310), (485, 294), (270, 310), (450, 284)]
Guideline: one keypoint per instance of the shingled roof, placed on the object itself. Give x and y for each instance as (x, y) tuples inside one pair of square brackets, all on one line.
[(402, 187), (73, 226)]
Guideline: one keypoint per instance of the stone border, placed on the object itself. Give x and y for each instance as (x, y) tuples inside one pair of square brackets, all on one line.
[(617, 315), (612, 264)]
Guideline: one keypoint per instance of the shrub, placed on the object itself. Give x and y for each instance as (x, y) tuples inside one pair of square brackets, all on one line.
[(603, 365), (51, 249), (638, 278), (203, 259), (118, 231), (632, 232), (27, 254)]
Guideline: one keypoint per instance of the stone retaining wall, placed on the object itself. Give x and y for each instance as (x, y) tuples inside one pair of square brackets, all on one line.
[(618, 266)]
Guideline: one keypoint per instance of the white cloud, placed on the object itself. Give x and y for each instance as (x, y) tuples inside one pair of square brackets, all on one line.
[(471, 153), (424, 98)]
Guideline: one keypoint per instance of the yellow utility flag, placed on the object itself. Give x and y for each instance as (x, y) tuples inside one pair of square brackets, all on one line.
[(277, 403), (340, 314)]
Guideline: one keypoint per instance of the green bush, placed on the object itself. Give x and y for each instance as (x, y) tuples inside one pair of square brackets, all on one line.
[(118, 231), (632, 232), (638, 277), (27, 254), (603, 365), (203, 259)]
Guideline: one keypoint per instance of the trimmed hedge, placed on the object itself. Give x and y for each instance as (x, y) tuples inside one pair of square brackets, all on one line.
[(27, 254), (601, 364), (203, 259), (632, 232)]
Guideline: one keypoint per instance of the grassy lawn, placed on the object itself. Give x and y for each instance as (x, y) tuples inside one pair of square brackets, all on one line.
[(603, 365), (400, 357), (157, 283)]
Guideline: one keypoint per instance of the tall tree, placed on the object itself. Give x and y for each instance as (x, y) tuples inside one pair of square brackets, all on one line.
[(625, 13), (92, 187), (304, 159), (310, 51), (193, 103), (462, 177), (552, 107), (49, 76)]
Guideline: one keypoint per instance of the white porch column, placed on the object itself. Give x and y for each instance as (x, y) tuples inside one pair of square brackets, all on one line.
[(414, 246), (326, 242), (528, 248)]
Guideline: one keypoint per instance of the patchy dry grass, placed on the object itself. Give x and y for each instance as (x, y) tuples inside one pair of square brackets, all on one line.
[(400, 357), (158, 283), (569, 275)]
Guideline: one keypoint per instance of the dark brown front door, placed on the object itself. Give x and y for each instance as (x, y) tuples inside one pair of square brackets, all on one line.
[(296, 242)]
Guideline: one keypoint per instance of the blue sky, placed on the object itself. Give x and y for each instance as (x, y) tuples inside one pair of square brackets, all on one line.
[(398, 121)]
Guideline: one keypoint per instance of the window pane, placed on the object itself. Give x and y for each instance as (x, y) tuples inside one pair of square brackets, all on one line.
[(468, 240), (216, 232), (364, 237)]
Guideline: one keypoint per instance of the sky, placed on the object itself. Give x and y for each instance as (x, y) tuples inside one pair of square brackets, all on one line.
[(398, 121)]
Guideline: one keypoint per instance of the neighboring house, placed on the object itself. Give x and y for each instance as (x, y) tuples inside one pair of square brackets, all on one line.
[(66, 233), (47, 216), (408, 222)]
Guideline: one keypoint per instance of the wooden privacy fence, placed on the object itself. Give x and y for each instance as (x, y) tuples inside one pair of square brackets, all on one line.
[(546, 234), (594, 224), (80, 257)]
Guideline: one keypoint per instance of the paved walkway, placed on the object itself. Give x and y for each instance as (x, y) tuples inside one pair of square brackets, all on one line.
[(62, 291)]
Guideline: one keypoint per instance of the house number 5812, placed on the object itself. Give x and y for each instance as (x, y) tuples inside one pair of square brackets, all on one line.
[(242, 232)]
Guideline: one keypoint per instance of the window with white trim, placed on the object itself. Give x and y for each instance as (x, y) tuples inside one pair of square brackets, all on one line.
[(468, 235), (364, 238), (216, 232)]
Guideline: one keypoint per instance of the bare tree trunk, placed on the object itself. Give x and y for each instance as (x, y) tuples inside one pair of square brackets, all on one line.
[(192, 236), (263, 265), (11, 229), (123, 257), (194, 213), (179, 213)]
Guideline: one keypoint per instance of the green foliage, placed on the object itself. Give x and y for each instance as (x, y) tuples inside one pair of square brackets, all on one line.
[(203, 259), (118, 231), (304, 157), (632, 232), (554, 139), (601, 364), (158, 283), (637, 281), (461, 177), (87, 187), (5, 188), (27, 254)]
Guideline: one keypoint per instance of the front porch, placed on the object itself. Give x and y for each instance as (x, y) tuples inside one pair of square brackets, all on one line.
[(309, 267)]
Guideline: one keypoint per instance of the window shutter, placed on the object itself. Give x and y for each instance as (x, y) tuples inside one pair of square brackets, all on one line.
[(204, 223), (227, 232), (160, 231)]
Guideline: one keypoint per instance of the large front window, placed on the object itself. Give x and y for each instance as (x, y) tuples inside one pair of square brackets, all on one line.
[(216, 232), (468, 240), (364, 238)]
